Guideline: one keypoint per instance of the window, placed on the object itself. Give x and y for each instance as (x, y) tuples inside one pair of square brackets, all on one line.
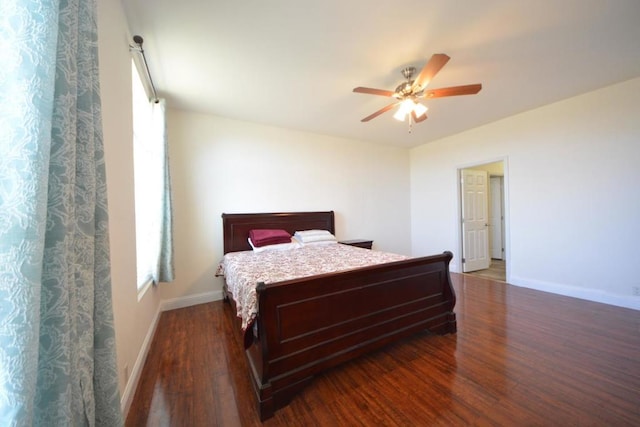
[(152, 188)]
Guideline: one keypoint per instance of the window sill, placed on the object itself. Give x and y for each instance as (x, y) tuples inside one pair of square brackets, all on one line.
[(144, 288)]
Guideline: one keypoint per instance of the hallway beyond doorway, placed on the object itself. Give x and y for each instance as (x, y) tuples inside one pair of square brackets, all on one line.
[(496, 271)]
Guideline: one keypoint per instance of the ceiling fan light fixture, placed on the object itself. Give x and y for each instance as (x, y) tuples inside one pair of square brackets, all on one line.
[(405, 108), (419, 109)]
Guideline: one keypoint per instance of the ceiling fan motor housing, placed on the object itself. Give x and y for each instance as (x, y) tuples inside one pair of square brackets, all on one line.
[(408, 72), (406, 88)]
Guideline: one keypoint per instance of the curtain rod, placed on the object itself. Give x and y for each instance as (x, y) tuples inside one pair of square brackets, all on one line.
[(137, 46)]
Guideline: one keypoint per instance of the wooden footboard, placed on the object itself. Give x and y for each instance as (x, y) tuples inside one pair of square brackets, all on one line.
[(305, 326)]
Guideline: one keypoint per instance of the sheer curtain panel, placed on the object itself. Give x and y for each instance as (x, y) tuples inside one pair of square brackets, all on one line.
[(57, 345), (154, 219)]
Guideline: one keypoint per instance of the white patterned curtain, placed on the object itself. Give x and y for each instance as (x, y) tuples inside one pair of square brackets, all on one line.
[(154, 220), (57, 346), (164, 266)]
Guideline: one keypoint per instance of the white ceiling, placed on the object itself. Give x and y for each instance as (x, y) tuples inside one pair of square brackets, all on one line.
[(294, 63)]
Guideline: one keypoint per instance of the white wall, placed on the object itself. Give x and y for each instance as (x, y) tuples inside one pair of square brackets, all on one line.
[(221, 165), (133, 319), (573, 202)]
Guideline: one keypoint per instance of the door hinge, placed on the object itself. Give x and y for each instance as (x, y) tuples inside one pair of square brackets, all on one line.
[(464, 260)]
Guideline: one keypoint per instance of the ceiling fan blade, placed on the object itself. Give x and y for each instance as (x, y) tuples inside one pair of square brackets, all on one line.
[(380, 111), (431, 68), (416, 119), (372, 91), (453, 91)]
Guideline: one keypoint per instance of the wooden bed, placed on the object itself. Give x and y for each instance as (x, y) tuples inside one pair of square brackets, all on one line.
[(308, 325)]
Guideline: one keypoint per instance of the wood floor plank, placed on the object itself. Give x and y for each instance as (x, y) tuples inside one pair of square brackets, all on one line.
[(520, 357)]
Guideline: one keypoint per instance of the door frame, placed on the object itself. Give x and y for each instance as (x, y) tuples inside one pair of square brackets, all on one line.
[(492, 202), (507, 234)]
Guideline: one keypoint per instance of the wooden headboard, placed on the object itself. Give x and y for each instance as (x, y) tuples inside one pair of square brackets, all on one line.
[(235, 227)]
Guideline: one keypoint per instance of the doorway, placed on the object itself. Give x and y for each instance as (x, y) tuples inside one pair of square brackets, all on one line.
[(483, 219), (496, 216)]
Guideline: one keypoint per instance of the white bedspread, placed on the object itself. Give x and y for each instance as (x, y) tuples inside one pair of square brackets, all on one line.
[(243, 270)]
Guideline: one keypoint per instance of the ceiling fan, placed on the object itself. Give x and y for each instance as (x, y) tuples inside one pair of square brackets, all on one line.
[(407, 93)]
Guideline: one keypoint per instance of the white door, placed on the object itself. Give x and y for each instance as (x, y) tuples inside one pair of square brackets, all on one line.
[(496, 217), (475, 221)]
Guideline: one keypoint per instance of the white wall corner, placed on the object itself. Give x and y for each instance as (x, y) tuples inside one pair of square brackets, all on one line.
[(189, 300)]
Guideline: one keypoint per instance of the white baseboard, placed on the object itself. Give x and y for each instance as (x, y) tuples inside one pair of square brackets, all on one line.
[(165, 305), (130, 389), (577, 292), (190, 300)]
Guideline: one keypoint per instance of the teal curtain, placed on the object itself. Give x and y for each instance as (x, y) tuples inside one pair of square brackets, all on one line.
[(57, 345)]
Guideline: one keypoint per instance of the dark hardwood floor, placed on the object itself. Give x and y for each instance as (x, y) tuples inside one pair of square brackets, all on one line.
[(520, 358)]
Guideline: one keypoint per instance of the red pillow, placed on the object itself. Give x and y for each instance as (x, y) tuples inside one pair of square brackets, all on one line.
[(264, 237)]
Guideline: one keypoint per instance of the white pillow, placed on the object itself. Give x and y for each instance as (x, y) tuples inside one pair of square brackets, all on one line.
[(313, 233), (279, 247), (315, 240), (322, 242)]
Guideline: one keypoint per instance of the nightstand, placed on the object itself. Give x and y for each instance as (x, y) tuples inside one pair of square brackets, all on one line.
[(367, 244)]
